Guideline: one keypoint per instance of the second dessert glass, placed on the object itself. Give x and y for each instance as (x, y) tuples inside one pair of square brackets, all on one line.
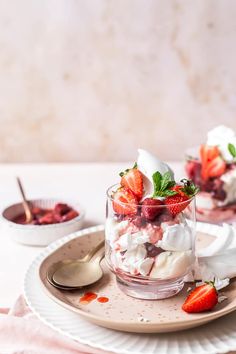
[(150, 256)]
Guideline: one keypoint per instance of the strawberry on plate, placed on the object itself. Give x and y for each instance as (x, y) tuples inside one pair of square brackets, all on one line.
[(124, 202), (202, 298), (213, 164), (132, 179), (182, 197)]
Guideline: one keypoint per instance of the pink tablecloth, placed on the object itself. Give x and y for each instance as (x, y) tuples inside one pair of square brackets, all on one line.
[(21, 332)]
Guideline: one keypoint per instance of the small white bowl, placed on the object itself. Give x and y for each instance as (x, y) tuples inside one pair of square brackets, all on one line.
[(40, 235)]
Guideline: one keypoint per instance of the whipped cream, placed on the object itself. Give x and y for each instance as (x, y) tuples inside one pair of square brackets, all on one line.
[(218, 259), (148, 164), (221, 136), (172, 264), (176, 238)]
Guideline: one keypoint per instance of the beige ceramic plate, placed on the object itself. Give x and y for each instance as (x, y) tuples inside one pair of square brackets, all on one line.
[(122, 312)]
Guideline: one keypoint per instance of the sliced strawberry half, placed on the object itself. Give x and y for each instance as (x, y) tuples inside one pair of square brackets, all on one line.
[(184, 192), (212, 163), (124, 202), (202, 298), (177, 203), (132, 179)]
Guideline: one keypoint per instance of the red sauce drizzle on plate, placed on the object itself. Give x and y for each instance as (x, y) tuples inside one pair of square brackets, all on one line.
[(103, 299), (87, 298)]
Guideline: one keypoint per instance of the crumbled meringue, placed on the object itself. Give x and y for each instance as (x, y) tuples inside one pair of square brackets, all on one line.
[(176, 237), (113, 228), (171, 264), (229, 186)]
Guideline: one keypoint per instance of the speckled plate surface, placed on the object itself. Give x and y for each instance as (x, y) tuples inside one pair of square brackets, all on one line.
[(122, 312)]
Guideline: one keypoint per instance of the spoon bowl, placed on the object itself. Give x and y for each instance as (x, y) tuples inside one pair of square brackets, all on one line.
[(70, 274)]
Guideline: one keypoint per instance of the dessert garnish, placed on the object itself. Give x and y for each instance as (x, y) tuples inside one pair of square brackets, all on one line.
[(60, 213), (132, 180), (202, 298)]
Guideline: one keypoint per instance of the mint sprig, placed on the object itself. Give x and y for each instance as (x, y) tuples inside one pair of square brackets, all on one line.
[(189, 188), (232, 150), (162, 185)]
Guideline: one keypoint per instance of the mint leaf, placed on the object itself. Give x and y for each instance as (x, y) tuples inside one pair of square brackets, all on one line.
[(232, 150), (156, 177), (166, 179)]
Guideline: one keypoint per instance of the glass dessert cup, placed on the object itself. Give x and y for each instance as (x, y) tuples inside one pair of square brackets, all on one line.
[(150, 258), (215, 203)]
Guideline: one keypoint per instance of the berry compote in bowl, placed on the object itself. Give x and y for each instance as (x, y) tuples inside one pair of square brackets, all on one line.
[(150, 237), (212, 167)]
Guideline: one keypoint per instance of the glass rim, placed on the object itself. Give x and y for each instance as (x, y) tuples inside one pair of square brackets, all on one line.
[(110, 197)]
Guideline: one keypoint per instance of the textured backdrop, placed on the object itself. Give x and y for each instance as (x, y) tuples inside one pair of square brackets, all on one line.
[(92, 80)]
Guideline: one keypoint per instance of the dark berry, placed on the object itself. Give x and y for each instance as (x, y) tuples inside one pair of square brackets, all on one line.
[(62, 208), (151, 208), (152, 250), (139, 221)]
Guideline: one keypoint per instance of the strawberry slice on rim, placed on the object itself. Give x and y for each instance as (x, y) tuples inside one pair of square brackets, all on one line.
[(124, 202), (132, 179)]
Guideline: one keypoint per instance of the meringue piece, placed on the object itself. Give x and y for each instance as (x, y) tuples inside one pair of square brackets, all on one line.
[(148, 164), (114, 228), (226, 241), (229, 186), (222, 298), (144, 266), (124, 242), (221, 136), (129, 241), (135, 255), (176, 238), (172, 264)]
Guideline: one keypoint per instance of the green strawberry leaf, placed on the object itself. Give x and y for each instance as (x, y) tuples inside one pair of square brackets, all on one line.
[(232, 150)]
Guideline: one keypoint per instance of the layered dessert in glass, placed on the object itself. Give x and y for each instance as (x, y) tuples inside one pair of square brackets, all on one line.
[(150, 229), (212, 167)]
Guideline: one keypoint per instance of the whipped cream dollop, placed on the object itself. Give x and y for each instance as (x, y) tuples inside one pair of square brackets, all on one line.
[(148, 164), (218, 259), (221, 136)]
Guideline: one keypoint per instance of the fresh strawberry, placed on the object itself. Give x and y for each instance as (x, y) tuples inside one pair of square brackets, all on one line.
[(177, 203), (124, 202), (151, 208), (183, 194), (202, 298), (216, 167), (212, 163), (132, 179)]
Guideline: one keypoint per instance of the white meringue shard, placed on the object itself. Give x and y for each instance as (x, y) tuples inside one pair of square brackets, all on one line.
[(114, 228), (218, 259), (172, 264), (221, 136), (148, 164), (229, 186), (176, 237)]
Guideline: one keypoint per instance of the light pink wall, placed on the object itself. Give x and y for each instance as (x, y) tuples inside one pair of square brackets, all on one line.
[(94, 80)]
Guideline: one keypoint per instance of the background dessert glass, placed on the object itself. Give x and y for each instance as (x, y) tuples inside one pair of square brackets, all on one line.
[(211, 202), (150, 258)]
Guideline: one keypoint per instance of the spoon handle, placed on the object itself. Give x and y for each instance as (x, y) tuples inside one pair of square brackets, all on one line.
[(25, 203), (94, 251)]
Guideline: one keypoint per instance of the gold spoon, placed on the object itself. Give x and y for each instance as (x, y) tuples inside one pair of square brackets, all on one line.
[(28, 213), (72, 274)]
